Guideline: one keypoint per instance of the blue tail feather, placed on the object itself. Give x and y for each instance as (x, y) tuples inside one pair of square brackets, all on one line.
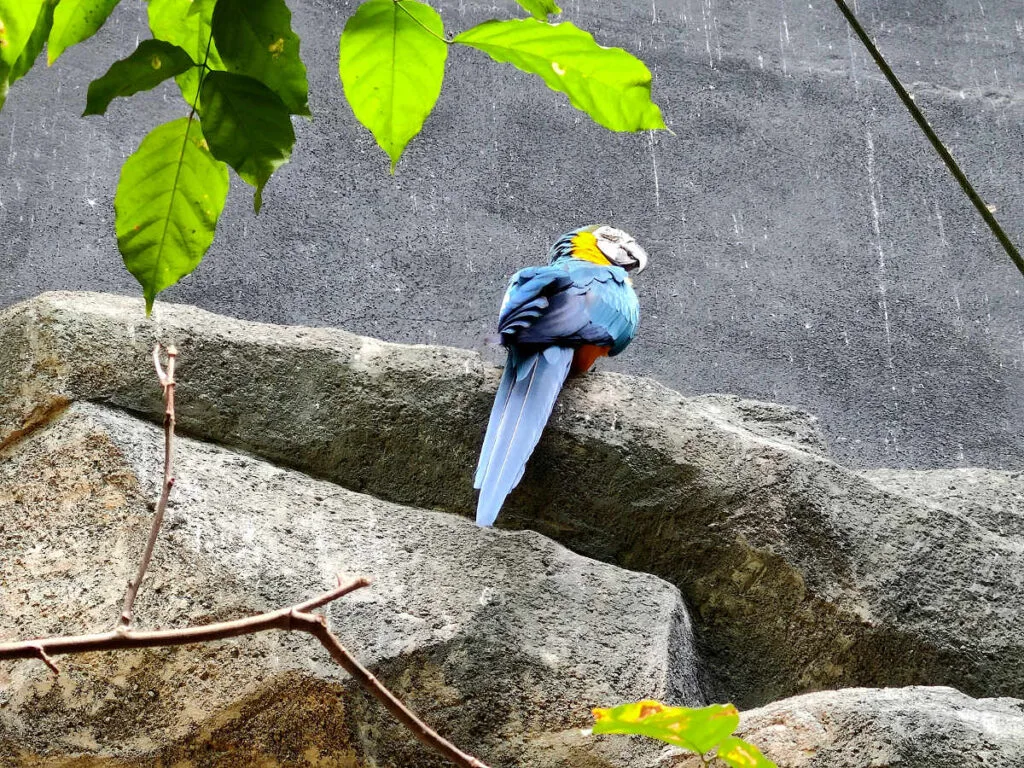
[(500, 401), (526, 396)]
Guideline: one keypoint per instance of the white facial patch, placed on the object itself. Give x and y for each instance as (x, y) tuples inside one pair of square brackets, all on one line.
[(620, 248)]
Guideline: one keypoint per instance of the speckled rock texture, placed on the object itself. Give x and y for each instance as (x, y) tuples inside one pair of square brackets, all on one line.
[(914, 727), (799, 573), (503, 640)]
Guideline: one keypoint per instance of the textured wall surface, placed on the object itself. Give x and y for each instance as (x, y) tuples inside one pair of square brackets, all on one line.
[(807, 245)]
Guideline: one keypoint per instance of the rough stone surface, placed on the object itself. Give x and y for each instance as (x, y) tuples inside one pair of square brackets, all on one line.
[(915, 727), (801, 573), (503, 640), (807, 245), (994, 499)]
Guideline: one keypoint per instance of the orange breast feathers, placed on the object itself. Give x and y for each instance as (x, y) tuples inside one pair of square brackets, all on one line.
[(586, 356)]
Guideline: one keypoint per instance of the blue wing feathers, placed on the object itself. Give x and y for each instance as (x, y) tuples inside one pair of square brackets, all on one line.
[(546, 314), (537, 380)]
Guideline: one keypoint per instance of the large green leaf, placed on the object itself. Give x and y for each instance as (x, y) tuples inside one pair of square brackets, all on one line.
[(247, 126), (742, 754), (698, 730), (149, 65), (255, 38), (540, 9), (609, 84), (34, 46), (75, 21), (170, 20), (17, 20), (392, 65), (201, 6), (169, 197)]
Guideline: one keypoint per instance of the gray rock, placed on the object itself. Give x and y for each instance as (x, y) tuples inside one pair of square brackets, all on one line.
[(915, 727), (771, 420), (994, 499), (503, 640), (801, 573)]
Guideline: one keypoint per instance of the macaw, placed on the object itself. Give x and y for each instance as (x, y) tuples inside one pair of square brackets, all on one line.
[(554, 319)]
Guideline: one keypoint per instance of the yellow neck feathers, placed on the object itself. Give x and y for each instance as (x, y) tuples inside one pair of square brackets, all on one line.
[(584, 246)]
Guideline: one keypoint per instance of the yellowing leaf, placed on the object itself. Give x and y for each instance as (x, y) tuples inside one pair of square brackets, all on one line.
[(698, 730), (17, 21), (742, 754), (609, 84), (35, 42)]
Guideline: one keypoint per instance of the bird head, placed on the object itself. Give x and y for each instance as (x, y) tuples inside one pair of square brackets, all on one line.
[(601, 244)]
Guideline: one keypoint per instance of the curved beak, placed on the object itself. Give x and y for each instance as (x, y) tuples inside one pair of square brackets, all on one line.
[(639, 256)]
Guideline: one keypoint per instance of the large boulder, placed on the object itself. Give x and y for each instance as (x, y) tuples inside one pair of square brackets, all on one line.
[(802, 574), (502, 640), (914, 727)]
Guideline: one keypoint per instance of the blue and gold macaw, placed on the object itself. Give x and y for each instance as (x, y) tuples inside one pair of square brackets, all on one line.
[(555, 318)]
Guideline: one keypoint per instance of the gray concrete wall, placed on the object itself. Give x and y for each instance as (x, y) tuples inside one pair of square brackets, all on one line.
[(808, 247)]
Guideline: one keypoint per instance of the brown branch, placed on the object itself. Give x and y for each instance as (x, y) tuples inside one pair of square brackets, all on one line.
[(296, 618), (121, 638), (167, 382), (363, 676)]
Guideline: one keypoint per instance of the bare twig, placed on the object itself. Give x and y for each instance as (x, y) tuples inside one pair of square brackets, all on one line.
[(167, 382), (295, 618), (122, 638), (365, 678), (41, 653)]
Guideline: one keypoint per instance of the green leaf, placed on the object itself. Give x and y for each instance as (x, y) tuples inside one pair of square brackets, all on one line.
[(34, 46), (149, 65), (172, 20), (392, 65), (17, 21), (201, 6), (75, 21), (255, 38), (742, 754), (247, 126), (540, 9), (169, 197), (698, 730), (609, 84)]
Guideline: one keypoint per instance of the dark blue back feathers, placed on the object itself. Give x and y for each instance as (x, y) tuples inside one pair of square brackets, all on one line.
[(548, 312)]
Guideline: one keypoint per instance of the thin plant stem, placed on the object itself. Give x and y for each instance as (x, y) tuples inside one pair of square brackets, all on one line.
[(922, 122), (167, 382)]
